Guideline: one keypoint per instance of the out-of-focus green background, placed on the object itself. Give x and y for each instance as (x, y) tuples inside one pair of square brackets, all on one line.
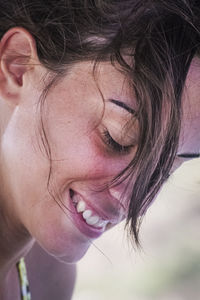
[(168, 267)]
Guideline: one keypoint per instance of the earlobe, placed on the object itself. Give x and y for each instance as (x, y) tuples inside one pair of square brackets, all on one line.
[(17, 56)]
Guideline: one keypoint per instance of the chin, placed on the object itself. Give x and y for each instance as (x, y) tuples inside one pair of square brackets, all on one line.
[(71, 257), (67, 254), (66, 246), (55, 232)]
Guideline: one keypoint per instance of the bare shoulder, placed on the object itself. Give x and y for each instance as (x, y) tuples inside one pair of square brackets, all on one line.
[(49, 278)]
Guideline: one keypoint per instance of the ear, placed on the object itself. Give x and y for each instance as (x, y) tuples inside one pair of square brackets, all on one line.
[(18, 55)]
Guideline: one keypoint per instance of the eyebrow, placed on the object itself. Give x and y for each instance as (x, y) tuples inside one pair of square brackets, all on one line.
[(123, 105), (189, 155)]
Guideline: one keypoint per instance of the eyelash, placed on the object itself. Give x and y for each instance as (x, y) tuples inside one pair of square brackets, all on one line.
[(114, 146)]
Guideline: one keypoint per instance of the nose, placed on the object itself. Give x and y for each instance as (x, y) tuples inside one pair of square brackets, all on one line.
[(114, 197), (111, 202), (121, 194), (115, 193)]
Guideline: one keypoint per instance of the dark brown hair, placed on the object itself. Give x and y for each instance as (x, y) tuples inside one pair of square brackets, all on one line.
[(160, 38)]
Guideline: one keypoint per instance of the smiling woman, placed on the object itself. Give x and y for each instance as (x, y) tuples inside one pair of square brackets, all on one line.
[(91, 97)]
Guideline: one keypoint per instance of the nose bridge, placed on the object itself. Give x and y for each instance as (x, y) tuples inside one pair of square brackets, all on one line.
[(107, 169)]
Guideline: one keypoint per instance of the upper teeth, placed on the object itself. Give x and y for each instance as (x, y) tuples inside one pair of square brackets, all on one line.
[(90, 218), (80, 206)]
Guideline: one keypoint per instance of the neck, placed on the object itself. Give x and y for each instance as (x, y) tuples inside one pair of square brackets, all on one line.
[(15, 243)]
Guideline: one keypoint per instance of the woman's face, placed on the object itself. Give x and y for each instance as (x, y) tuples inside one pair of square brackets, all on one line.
[(189, 142), (80, 113)]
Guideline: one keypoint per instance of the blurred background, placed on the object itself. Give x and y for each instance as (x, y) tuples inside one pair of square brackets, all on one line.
[(167, 267)]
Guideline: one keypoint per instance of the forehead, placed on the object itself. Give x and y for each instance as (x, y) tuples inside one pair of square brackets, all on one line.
[(107, 78)]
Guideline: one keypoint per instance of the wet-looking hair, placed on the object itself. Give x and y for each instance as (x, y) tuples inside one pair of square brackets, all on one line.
[(160, 38)]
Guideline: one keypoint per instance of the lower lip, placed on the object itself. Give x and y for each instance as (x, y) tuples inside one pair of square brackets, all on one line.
[(83, 227)]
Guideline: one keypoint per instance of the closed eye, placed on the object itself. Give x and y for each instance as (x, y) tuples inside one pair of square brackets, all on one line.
[(189, 155), (114, 146)]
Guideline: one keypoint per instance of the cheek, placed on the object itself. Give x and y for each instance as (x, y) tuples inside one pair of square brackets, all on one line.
[(27, 172), (81, 154), (24, 169), (84, 161)]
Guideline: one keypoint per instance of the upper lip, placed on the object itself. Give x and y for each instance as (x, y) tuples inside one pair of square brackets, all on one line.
[(112, 210)]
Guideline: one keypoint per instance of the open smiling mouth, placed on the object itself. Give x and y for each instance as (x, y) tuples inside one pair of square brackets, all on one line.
[(85, 218)]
